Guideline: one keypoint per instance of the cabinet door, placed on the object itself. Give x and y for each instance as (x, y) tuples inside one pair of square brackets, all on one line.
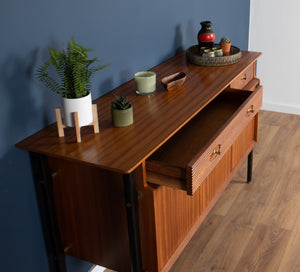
[(91, 214), (215, 183), (245, 142)]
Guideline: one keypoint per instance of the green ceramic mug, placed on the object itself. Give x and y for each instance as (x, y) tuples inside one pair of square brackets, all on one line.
[(145, 82)]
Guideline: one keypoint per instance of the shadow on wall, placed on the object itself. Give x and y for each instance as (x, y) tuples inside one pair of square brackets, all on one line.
[(177, 46), (178, 40), (190, 37), (191, 33), (178, 43), (18, 114), (24, 109), (24, 106)]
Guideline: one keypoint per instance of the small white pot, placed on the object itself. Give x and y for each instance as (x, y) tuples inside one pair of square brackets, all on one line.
[(82, 105)]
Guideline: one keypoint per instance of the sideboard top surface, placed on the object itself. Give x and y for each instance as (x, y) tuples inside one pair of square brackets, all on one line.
[(156, 117)]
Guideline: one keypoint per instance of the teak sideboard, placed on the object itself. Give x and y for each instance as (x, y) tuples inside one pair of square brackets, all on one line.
[(131, 198)]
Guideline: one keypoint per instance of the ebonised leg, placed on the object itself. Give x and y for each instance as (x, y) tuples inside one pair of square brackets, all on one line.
[(43, 187), (250, 165), (131, 199)]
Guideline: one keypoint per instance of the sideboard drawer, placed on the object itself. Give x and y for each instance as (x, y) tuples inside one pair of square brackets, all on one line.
[(243, 78), (186, 159)]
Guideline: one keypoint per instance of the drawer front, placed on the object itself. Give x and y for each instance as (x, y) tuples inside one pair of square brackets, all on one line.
[(243, 78), (203, 163), (214, 182)]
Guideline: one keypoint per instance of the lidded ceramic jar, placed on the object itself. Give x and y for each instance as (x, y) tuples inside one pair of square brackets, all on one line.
[(218, 52), (208, 53), (206, 36)]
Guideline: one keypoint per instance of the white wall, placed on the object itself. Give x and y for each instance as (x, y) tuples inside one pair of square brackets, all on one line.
[(275, 31)]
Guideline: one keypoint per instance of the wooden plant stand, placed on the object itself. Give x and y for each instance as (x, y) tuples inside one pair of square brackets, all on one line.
[(61, 126)]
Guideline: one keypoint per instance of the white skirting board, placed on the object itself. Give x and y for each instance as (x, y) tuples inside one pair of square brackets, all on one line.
[(97, 268), (281, 108)]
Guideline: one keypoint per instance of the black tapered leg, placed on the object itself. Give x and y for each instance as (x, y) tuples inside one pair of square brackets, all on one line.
[(44, 193), (131, 199), (250, 166)]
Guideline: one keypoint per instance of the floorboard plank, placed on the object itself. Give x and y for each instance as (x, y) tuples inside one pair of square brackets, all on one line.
[(264, 250), (291, 260)]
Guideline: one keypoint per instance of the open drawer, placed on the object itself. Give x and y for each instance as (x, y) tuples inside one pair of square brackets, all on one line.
[(187, 158)]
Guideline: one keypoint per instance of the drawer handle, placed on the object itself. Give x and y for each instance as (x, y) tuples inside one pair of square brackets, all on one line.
[(216, 151), (244, 77), (66, 249), (251, 109), (54, 174)]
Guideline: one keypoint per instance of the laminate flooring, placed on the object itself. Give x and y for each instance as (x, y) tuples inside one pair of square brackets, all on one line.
[(255, 227)]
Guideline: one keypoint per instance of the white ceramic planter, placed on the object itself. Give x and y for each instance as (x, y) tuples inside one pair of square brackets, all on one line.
[(82, 105)]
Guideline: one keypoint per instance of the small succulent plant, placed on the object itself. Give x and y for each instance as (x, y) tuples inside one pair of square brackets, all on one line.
[(121, 103), (225, 40)]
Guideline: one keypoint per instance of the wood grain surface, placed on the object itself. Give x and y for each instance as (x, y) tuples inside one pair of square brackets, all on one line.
[(215, 128), (255, 227), (156, 117), (91, 213)]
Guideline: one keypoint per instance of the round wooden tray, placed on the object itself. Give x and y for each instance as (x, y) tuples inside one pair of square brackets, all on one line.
[(194, 57)]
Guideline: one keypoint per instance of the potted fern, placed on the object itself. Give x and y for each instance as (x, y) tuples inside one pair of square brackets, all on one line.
[(121, 112), (74, 70)]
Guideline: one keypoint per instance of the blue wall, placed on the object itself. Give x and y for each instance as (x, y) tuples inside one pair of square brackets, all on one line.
[(134, 35)]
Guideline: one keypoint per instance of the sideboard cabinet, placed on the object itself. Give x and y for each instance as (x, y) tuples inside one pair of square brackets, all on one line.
[(131, 198)]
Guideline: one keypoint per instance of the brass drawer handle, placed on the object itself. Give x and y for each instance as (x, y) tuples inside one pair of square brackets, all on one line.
[(67, 248), (251, 109), (54, 174), (216, 151), (244, 77)]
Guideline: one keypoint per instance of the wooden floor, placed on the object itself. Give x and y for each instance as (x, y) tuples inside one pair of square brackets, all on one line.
[(255, 227)]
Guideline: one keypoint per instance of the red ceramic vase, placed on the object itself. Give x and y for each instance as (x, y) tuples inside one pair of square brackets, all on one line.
[(206, 36)]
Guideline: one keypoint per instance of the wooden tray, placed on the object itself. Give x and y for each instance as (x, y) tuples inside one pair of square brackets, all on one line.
[(173, 81), (194, 57)]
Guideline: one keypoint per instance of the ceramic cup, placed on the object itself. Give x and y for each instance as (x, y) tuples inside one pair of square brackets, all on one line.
[(145, 82)]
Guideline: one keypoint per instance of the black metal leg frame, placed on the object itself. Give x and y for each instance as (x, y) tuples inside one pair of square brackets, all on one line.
[(131, 199), (250, 166), (43, 187)]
